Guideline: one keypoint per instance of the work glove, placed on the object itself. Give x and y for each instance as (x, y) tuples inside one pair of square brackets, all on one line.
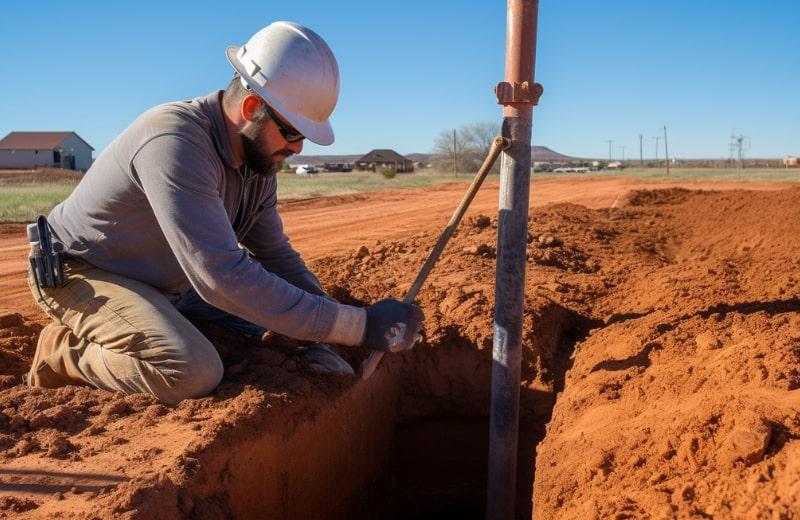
[(392, 325)]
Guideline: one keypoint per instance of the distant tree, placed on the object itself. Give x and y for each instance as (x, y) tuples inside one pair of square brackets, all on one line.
[(448, 149), (479, 136), (472, 143)]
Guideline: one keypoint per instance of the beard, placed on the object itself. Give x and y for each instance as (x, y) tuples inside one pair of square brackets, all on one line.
[(255, 156)]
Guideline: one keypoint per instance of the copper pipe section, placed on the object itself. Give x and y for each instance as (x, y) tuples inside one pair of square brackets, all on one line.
[(498, 145), (518, 94)]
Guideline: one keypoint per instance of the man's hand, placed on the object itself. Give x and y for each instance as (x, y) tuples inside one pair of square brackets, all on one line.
[(392, 325)]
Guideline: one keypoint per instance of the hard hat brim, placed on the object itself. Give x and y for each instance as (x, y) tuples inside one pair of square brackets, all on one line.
[(318, 132)]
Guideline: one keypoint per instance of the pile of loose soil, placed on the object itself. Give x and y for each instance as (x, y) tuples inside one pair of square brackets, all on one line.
[(668, 328), (686, 403), (17, 344)]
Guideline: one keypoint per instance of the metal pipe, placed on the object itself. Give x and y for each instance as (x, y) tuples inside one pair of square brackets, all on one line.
[(518, 94)]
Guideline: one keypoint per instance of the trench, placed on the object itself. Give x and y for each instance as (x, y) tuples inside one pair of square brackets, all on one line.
[(411, 442)]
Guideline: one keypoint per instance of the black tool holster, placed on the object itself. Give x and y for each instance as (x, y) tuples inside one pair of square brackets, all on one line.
[(46, 256)]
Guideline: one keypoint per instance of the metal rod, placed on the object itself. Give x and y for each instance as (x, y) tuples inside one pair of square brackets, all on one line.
[(498, 145), (515, 176)]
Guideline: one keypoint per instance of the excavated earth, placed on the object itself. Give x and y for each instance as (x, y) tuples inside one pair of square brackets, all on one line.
[(660, 378)]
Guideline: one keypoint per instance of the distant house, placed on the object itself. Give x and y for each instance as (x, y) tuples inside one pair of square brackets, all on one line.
[(56, 149), (791, 161), (385, 160)]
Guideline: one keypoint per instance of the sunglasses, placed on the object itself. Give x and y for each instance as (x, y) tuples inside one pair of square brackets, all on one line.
[(288, 133)]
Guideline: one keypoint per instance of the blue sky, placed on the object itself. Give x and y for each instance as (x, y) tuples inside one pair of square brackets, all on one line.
[(611, 70)]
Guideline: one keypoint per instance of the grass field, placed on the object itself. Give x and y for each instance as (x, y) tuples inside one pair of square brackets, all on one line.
[(25, 201), (24, 196), (291, 186)]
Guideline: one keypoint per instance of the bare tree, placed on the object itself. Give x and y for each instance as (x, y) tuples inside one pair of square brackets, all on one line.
[(479, 136), (469, 148), (448, 149)]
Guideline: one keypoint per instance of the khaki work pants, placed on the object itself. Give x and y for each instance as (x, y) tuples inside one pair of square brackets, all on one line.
[(120, 334)]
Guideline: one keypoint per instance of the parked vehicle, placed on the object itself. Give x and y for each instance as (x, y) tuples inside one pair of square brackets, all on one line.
[(305, 169), (571, 169)]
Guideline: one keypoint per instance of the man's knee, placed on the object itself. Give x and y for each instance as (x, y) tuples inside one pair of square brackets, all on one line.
[(196, 373), (203, 374)]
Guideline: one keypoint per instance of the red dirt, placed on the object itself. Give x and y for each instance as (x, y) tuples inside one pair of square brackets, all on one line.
[(686, 403), (669, 324)]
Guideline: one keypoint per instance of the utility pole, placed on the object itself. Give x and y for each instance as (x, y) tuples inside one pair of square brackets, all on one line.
[(666, 149), (623, 153), (739, 143), (455, 155), (610, 144), (641, 153), (657, 138)]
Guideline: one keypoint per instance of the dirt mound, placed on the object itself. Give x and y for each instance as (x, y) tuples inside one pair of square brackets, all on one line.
[(667, 327), (686, 404), (679, 415), (656, 197), (17, 344)]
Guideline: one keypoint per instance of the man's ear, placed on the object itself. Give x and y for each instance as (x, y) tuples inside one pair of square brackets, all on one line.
[(251, 105)]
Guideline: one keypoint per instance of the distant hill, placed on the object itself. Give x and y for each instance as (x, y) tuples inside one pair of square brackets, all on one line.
[(420, 157), (545, 154), (539, 153)]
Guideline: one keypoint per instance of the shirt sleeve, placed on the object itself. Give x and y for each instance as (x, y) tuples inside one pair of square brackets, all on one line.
[(181, 181), (269, 245)]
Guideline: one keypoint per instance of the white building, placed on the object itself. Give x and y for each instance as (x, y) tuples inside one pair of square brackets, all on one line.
[(27, 150)]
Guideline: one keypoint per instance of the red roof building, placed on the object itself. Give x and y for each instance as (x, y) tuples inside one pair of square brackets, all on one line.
[(29, 150)]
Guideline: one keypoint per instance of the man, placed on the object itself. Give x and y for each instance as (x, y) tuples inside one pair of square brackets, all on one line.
[(177, 218)]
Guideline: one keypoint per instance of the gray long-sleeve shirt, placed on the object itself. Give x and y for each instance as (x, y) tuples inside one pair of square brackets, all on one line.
[(165, 204)]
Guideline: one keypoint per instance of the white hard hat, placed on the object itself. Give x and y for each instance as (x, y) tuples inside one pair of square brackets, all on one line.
[(294, 71)]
